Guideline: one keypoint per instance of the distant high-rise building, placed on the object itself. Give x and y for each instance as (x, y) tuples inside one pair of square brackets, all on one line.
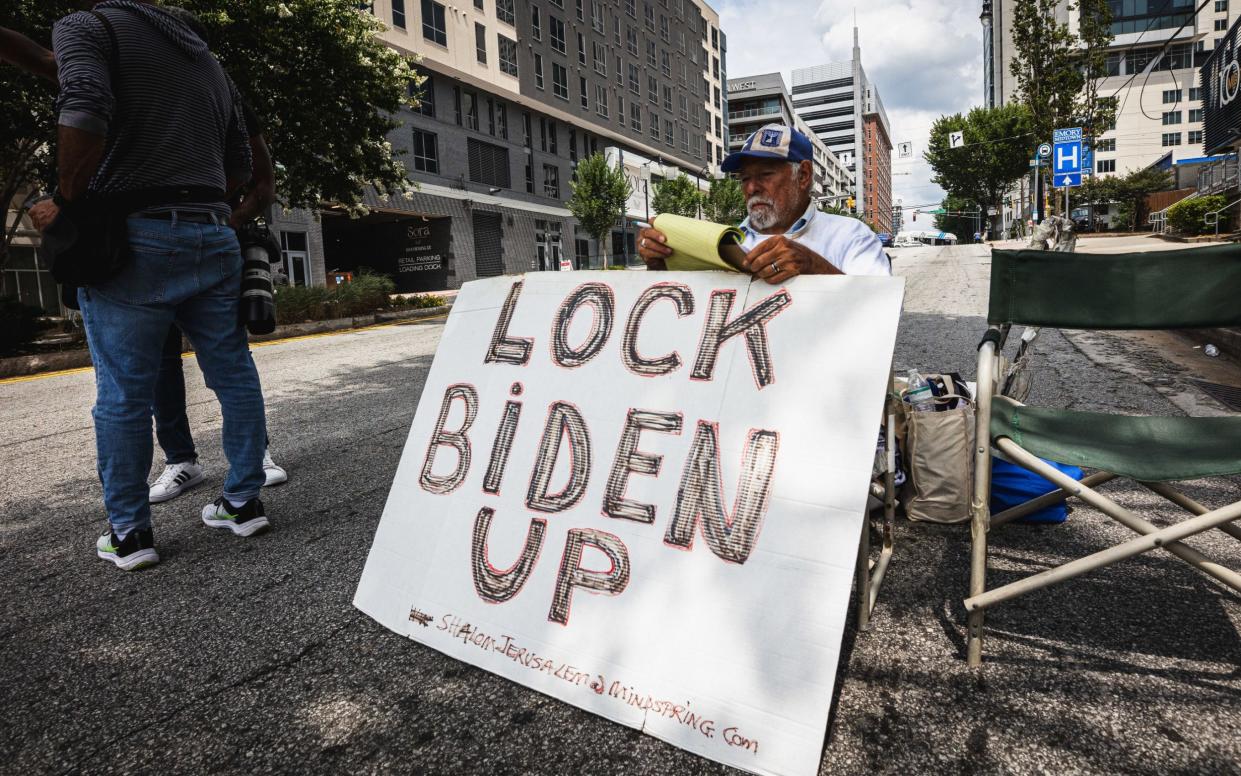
[(842, 107), (757, 100)]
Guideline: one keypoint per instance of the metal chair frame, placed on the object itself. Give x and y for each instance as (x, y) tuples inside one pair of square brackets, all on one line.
[(1149, 536), (870, 573)]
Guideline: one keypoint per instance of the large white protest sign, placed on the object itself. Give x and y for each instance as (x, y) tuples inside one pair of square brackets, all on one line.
[(642, 494)]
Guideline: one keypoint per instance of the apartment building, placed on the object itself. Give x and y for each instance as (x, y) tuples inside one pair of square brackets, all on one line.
[(754, 101), (1157, 93), (515, 95)]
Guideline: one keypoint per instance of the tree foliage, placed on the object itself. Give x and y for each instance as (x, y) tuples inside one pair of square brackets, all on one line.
[(724, 202), (1058, 73), (326, 88), (1187, 215), (678, 196), (599, 195), (995, 153), (27, 119), (958, 217), (1128, 192), (837, 210)]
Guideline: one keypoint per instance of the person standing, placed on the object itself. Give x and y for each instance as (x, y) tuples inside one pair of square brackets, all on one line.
[(146, 114)]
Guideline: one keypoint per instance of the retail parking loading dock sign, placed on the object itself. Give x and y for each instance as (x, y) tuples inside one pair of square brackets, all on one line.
[(642, 493)]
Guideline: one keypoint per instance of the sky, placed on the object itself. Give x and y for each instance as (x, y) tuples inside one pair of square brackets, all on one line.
[(925, 57)]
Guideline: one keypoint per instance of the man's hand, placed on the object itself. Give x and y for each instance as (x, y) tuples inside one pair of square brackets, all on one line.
[(43, 213), (778, 258), (653, 248)]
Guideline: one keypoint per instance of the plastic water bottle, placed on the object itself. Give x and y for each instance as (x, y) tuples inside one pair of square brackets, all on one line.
[(919, 393)]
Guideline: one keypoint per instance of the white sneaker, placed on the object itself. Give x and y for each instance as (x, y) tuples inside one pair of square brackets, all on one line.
[(176, 479), (275, 475)]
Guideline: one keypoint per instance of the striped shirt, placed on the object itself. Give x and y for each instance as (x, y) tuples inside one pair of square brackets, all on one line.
[(174, 117)]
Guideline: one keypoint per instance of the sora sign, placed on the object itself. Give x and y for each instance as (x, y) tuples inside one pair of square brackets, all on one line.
[(642, 494)]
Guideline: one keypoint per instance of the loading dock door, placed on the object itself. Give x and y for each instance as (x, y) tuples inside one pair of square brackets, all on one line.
[(488, 261)]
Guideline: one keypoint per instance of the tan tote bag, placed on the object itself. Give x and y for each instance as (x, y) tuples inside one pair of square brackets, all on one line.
[(938, 462)]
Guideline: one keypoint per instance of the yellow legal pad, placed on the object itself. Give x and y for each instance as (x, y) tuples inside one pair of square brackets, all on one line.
[(700, 245)]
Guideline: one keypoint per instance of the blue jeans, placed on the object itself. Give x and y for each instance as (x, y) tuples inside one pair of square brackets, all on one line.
[(188, 274), (172, 425)]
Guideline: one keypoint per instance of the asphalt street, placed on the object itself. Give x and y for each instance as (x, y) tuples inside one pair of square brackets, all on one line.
[(246, 655)]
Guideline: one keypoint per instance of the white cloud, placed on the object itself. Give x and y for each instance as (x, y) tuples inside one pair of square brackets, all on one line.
[(925, 57)]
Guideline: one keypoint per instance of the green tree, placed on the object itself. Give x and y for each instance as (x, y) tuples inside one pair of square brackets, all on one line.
[(837, 210), (678, 196), (1132, 190), (328, 146), (1094, 31), (995, 153), (599, 195), (1058, 73), (27, 119), (724, 202), (1046, 66), (959, 217)]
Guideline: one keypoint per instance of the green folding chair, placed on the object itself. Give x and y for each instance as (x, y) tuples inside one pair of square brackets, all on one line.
[(1194, 288)]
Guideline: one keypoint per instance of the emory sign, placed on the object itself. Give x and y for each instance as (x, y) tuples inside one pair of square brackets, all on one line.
[(642, 494)]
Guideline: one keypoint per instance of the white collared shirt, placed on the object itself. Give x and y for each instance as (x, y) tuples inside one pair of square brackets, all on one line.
[(847, 243)]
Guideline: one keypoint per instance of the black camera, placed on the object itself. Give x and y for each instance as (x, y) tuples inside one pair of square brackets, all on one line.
[(258, 251)]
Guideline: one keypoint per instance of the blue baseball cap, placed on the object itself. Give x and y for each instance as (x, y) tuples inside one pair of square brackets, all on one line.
[(774, 141)]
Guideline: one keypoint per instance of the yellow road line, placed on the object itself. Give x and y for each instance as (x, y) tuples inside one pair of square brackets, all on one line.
[(384, 325)]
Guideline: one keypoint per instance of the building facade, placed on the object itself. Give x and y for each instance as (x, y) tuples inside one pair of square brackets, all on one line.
[(835, 100), (515, 95), (1157, 93), (754, 101)]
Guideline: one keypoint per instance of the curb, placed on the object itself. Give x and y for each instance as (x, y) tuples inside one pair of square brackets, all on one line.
[(24, 366), (1227, 340)]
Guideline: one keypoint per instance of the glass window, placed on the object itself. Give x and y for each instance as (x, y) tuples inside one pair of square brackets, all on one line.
[(504, 12), (469, 103), (648, 16), (631, 8), (1171, 96), (508, 55), (433, 27), (398, 13), (480, 43), (663, 29), (1195, 136), (634, 85), (536, 24), (551, 181), (426, 155), (635, 116), (1172, 117), (665, 64), (585, 93), (1171, 139), (651, 58), (581, 49), (668, 98), (502, 120), (596, 17), (1195, 114), (560, 81), (426, 97), (581, 15), (601, 58), (631, 41), (652, 89), (653, 118), (557, 27), (601, 101), (538, 71)]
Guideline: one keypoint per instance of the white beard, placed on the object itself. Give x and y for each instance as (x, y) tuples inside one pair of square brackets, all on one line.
[(764, 218)]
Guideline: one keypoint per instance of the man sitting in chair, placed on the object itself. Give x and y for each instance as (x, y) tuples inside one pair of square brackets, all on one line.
[(785, 233)]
